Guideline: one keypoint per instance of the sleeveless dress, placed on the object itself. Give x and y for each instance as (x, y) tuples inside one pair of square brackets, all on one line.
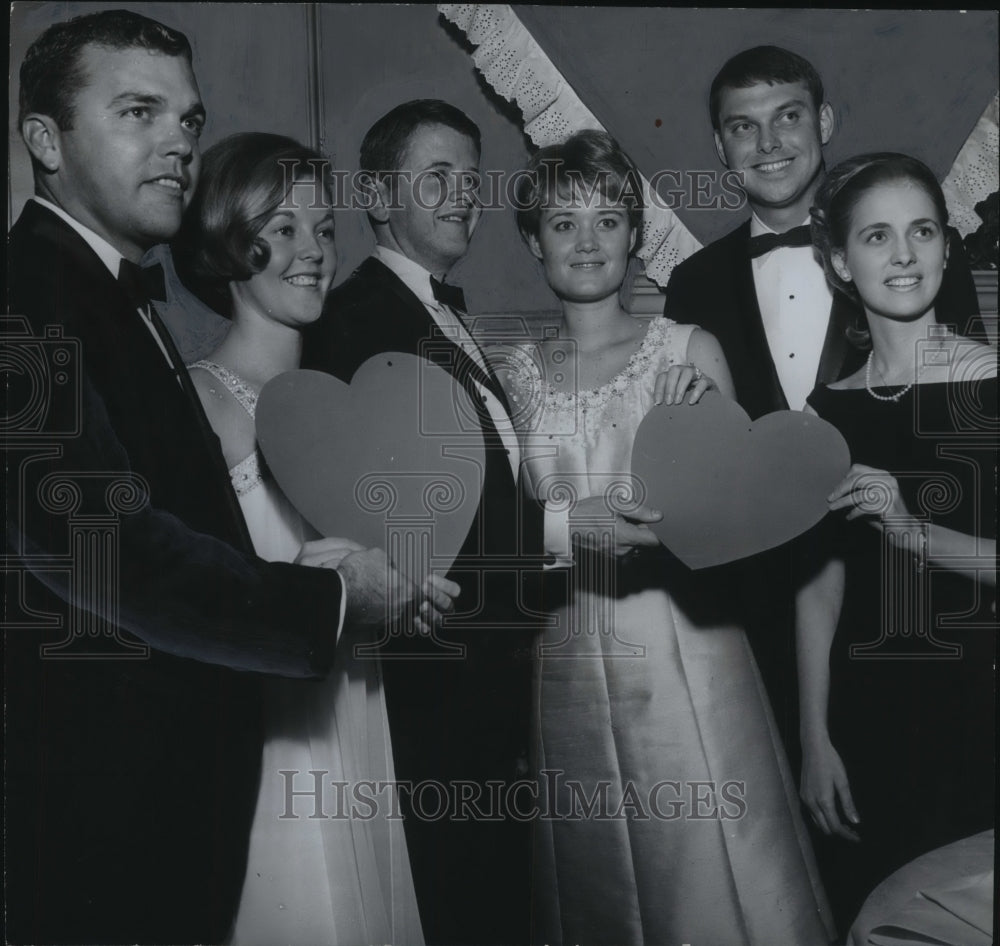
[(912, 684), (671, 814), (337, 872)]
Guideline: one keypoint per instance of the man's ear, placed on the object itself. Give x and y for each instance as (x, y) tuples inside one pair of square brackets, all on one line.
[(720, 151), (839, 262), (379, 211), (826, 123), (42, 136)]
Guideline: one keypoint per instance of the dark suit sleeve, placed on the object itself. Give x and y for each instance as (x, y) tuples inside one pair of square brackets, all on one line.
[(180, 591), (681, 302)]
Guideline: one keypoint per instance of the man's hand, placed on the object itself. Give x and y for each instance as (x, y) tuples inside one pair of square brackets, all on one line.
[(594, 525), (326, 553), (378, 594)]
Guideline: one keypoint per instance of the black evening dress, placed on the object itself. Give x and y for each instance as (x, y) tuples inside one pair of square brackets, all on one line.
[(911, 707)]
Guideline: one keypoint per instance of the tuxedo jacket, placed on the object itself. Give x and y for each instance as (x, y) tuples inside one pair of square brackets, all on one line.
[(715, 289), (374, 312), (462, 720), (131, 776)]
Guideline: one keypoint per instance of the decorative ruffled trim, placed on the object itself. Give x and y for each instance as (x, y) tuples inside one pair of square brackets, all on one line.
[(528, 387), (517, 68), (973, 176), (246, 475)]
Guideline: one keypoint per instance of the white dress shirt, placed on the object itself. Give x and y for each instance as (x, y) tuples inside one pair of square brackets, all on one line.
[(795, 301), (418, 281)]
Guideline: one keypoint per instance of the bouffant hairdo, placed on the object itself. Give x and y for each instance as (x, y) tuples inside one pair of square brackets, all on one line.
[(839, 194), (244, 179), (585, 160)]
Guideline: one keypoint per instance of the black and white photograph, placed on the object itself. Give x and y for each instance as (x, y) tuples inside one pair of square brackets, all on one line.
[(500, 475)]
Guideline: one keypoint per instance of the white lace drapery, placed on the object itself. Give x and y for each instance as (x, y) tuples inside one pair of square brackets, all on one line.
[(973, 176), (517, 68)]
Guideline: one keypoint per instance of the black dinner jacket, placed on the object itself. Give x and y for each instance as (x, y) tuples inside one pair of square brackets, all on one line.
[(715, 289), (130, 780), (374, 312), (464, 720)]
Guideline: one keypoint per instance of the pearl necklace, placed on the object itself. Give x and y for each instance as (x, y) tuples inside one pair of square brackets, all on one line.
[(883, 397), (894, 397)]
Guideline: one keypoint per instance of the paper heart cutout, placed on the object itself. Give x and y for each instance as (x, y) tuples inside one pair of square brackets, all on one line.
[(392, 460), (730, 487)]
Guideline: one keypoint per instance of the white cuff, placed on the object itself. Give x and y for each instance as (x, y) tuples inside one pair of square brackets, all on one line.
[(557, 538)]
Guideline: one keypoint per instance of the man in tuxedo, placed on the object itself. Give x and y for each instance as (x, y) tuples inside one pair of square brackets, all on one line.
[(760, 290), (135, 604), (462, 722), (764, 296)]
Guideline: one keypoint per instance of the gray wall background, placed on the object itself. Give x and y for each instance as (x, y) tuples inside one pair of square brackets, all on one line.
[(908, 81)]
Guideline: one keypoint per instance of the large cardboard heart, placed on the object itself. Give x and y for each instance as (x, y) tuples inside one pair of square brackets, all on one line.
[(390, 460), (730, 487)]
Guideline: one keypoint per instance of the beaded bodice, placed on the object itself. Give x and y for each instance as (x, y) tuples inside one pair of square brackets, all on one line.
[(583, 438)]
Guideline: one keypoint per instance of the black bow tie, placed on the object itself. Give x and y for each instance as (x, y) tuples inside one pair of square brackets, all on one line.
[(451, 296), (797, 236), (142, 283)]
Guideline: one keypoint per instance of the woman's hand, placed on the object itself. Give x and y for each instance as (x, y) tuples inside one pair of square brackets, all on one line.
[(826, 792), (866, 491), (439, 599), (677, 380), (706, 368)]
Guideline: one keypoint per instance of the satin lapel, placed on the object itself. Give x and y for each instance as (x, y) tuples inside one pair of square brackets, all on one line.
[(121, 328), (406, 321), (412, 321), (757, 348), (836, 347)]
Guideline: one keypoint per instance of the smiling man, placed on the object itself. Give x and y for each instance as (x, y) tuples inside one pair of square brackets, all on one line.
[(133, 740), (458, 724), (453, 722), (759, 289), (763, 294)]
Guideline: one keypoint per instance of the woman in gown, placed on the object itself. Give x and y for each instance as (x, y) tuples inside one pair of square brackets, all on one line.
[(648, 706), (898, 695), (321, 869)]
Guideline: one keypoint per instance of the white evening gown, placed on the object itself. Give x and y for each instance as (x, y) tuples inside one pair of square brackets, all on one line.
[(656, 709), (334, 880)]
